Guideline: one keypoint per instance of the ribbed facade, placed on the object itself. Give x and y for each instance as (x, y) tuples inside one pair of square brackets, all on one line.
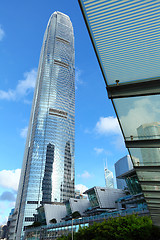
[(48, 165)]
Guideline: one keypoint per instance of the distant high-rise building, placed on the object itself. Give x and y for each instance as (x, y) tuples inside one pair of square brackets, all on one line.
[(122, 166), (109, 181), (48, 166)]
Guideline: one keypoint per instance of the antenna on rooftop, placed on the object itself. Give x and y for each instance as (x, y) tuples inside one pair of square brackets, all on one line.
[(105, 164)]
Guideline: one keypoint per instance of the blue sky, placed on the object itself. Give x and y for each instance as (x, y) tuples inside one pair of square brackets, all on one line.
[(97, 134)]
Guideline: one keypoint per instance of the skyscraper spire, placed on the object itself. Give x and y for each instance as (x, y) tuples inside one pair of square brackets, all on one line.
[(105, 163)]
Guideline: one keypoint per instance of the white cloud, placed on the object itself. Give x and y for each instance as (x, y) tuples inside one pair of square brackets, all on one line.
[(23, 132), (3, 220), (102, 151), (7, 196), (78, 80), (85, 175), (82, 188), (2, 33), (98, 150), (23, 88), (9, 95), (10, 179), (12, 204), (87, 131), (2, 208), (119, 143), (142, 111), (107, 125), (5, 208)]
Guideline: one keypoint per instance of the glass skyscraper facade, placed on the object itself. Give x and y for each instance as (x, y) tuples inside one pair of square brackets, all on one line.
[(109, 181), (122, 166), (48, 165)]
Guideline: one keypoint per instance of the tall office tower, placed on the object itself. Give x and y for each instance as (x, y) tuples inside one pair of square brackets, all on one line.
[(122, 166), (108, 178), (48, 166)]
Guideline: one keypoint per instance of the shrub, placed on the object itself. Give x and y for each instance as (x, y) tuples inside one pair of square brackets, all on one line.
[(53, 220)]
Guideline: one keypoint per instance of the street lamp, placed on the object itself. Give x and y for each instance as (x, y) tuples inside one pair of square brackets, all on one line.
[(72, 225), (72, 228)]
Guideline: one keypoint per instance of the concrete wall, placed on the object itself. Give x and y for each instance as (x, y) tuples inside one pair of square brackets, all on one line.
[(56, 211), (108, 196), (79, 205)]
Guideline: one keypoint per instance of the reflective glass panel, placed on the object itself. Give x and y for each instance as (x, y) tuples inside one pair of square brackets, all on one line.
[(133, 185), (139, 116), (148, 175), (152, 195), (153, 205), (92, 198), (145, 156), (150, 187)]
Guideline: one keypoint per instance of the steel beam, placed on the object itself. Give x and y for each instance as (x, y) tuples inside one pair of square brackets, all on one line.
[(143, 87), (147, 143)]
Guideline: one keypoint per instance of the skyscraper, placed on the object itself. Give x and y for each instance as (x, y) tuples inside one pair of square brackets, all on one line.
[(122, 166), (108, 178), (48, 165)]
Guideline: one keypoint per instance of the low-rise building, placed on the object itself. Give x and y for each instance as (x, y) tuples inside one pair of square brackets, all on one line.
[(3, 231), (103, 199), (53, 231), (103, 203), (77, 205), (48, 212), (12, 220), (57, 212)]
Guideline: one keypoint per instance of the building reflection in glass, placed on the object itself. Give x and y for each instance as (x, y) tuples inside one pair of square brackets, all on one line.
[(67, 187), (150, 156), (47, 179)]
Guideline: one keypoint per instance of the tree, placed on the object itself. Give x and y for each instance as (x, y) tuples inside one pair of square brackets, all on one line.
[(53, 220), (76, 214), (122, 228)]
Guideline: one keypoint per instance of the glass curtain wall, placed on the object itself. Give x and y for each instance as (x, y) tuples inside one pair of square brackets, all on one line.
[(48, 165), (126, 38), (108, 178), (133, 184)]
